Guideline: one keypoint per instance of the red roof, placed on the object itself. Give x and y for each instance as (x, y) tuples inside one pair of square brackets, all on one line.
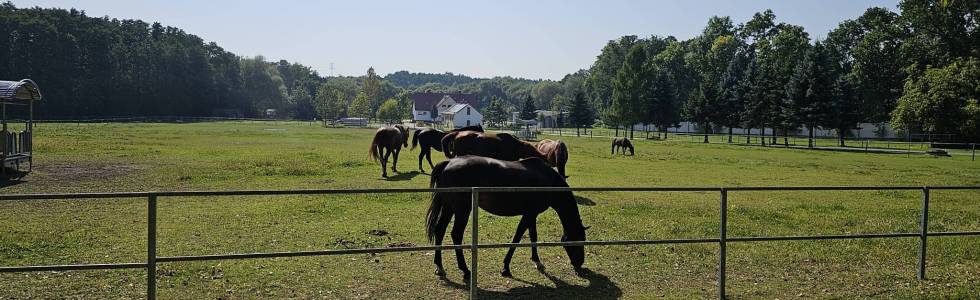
[(428, 101)]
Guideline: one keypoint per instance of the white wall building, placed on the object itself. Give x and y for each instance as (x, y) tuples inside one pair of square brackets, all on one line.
[(461, 115), (429, 107), (862, 130)]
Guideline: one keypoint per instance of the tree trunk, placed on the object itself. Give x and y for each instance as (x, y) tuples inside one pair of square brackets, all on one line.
[(809, 142), (617, 130), (786, 137), (730, 134), (840, 136), (748, 135)]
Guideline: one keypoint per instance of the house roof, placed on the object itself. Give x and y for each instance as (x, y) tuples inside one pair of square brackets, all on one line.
[(428, 100), (24, 90), (456, 108)]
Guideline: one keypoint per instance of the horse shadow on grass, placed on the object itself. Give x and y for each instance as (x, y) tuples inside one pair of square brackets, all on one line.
[(584, 201), (599, 287), (402, 176)]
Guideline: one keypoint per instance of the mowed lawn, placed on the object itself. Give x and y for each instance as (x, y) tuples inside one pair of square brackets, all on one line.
[(296, 155)]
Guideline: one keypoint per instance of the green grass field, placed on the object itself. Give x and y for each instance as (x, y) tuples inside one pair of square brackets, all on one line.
[(287, 155)]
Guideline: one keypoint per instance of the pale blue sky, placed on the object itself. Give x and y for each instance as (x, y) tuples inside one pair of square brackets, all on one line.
[(531, 39)]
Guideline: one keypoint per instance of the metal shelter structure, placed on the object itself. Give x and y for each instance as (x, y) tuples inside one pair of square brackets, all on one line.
[(16, 147)]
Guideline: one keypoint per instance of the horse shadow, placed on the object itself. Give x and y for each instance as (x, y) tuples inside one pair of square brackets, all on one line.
[(584, 201), (402, 176), (599, 287)]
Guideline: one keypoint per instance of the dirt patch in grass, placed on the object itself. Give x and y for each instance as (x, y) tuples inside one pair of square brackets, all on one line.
[(82, 171)]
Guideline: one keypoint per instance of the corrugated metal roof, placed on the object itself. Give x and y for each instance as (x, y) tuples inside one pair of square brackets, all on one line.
[(24, 90)]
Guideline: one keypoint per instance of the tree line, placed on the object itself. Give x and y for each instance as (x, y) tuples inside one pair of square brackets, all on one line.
[(917, 69)]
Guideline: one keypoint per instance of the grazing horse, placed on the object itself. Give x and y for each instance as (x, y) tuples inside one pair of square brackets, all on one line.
[(623, 143), (470, 171), (392, 139), (450, 136), (429, 139), (556, 154), (501, 146)]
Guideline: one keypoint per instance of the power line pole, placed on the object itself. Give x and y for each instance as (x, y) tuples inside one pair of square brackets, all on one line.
[(331, 69)]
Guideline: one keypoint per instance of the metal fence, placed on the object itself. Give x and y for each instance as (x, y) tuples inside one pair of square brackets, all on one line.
[(722, 240)]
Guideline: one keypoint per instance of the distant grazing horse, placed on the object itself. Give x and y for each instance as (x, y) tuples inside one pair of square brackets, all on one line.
[(392, 139), (496, 145), (470, 171), (429, 139), (556, 153), (447, 140), (622, 142)]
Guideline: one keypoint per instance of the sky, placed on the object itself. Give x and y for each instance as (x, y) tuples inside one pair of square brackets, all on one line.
[(531, 39)]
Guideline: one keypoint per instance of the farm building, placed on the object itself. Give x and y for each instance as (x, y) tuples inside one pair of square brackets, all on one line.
[(428, 107), (461, 115)]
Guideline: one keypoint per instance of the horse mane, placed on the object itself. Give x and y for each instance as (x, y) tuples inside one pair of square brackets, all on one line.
[(447, 141)]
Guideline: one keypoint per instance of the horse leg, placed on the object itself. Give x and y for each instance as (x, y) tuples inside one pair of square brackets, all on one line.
[(533, 234), (459, 226), (441, 226), (384, 162), (422, 154), (613, 149), (394, 164), (428, 156), (521, 227)]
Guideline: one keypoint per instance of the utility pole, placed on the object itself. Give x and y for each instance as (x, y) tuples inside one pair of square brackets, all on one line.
[(331, 69)]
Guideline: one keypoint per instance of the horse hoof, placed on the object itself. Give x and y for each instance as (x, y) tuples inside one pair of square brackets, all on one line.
[(466, 277), (440, 273), (539, 265), (506, 273)]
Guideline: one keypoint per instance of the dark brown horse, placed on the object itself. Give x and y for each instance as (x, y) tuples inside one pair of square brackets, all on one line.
[(496, 145), (447, 140), (556, 154), (429, 139), (622, 143), (390, 139), (471, 171)]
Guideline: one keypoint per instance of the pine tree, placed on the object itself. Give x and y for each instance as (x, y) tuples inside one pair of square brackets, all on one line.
[(580, 113)]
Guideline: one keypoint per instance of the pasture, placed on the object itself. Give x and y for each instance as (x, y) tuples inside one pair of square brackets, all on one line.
[(295, 155)]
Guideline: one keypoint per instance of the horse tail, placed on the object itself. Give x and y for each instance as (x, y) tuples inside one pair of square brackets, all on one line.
[(415, 138), (373, 151), (435, 212), (561, 157)]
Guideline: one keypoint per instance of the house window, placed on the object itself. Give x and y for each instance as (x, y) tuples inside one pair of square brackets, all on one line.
[(467, 111), (467, 122)]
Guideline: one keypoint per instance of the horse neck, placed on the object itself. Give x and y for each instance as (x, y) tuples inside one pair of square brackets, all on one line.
[(567, 211)]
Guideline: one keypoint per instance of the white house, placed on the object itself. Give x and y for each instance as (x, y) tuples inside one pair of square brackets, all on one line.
[(429, 107), (461, 115)]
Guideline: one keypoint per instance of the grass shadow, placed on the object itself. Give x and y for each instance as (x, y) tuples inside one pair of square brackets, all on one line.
[(599, 287), (10, 182), (584, 201), (402, 176)]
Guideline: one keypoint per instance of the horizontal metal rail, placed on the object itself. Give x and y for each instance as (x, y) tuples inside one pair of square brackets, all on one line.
[(66, 196), (722, 240)]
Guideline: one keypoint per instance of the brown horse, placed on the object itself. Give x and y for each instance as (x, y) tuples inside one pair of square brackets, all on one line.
[(447, 140), (429, 139), (470, 171), (622, 143), (495, 145), (556, 153), (389, 139)]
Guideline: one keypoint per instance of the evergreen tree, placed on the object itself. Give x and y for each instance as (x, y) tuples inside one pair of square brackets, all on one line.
[(527, 110), (629, 87), (580, 113)]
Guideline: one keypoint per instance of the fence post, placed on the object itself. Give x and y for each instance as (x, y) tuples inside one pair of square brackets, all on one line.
[(722, 243), (475, 197), (974, 152), (151, 247), (923, 233)]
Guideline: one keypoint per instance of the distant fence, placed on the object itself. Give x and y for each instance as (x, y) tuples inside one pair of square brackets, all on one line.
[(152, 259)]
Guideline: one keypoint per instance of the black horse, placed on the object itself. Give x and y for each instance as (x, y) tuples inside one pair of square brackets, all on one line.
[(429, 139), (388, 140), (624, 143), (477, 171)]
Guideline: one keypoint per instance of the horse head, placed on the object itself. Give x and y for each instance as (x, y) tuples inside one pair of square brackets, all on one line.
[(404, 135)]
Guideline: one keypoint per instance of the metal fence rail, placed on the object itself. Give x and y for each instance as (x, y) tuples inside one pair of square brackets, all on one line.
[(153, 259)]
